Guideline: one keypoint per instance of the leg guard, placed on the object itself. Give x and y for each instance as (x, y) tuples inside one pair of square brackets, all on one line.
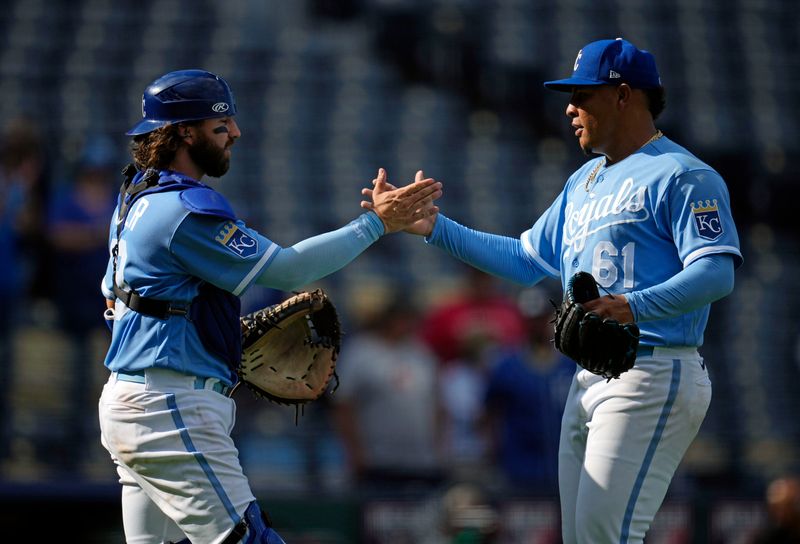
[(258, 530), (254, 528)]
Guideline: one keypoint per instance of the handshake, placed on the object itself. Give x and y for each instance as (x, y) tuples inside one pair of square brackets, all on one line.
[(409, 208)]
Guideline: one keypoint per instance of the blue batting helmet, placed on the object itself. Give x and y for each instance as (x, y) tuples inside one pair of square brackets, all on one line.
[(184, 95)]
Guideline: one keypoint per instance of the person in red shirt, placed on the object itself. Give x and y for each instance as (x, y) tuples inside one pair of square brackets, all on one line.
[(479, 317)]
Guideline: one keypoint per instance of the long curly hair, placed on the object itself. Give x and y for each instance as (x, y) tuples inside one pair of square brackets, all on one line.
[(157, 149)]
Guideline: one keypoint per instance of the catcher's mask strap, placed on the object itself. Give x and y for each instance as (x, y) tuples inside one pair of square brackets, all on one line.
[(152, 307), (129, 191)]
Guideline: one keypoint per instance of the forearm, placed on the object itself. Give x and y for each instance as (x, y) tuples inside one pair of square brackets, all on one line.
[(704, 281), (501, 256), (321, 255)]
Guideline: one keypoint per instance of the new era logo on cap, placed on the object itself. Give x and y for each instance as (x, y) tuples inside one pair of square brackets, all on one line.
[(611, 62)]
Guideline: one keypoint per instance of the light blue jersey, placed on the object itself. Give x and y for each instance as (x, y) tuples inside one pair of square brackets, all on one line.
[(636, 225), (173, 242), (165, 253)]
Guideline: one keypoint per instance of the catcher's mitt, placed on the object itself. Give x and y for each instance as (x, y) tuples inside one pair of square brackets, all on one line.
[(602, 346), (289, 350)]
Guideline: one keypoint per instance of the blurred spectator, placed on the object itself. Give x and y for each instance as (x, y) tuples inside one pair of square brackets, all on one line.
[(479, 316), (386, 409), (465, 434), (783, 508), (526, 391), (24, 179), (21, 178), (78, 224), (463, 331)]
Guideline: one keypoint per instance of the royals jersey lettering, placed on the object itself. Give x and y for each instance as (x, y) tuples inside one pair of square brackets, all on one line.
[(637, 224)]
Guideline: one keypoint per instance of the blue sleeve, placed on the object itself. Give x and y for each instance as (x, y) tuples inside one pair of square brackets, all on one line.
[(703, 281), (321, 255), (501, 256)]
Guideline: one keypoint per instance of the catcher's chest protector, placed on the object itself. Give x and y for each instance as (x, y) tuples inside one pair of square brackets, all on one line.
[(214, 312)]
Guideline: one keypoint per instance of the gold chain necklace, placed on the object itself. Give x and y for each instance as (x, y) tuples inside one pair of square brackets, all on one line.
[(601, 163)]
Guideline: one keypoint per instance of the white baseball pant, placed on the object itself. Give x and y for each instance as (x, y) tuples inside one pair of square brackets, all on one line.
[(621, 442)]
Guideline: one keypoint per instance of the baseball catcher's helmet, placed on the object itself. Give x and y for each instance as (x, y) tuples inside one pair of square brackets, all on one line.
[(184, 95)]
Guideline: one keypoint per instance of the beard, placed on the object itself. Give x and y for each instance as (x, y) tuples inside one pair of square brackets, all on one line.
[(209, 156)]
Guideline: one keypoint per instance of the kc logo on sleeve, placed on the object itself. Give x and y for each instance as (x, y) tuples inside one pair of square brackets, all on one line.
[(706, 219), (237, 240)]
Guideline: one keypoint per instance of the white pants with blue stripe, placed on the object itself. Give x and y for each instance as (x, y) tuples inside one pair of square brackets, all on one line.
[(621, 442), (176, 461)]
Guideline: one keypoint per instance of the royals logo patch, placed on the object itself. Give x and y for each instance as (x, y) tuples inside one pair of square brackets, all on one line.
[(236, 240), (706, 219)]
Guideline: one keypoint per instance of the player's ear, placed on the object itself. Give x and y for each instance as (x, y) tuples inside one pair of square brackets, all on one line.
[(185, 133), (623, 92)]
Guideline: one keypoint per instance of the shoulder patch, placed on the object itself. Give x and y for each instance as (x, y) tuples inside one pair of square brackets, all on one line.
[(236, 240), (206, 201), (706, 219)]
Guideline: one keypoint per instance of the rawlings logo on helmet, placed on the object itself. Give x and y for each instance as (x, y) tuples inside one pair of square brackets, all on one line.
[(220, 107)]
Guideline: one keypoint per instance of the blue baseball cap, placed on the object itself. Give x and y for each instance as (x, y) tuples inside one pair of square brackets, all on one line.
[(611, 62)]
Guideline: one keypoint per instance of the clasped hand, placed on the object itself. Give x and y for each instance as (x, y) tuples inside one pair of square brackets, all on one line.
[(408, 208)]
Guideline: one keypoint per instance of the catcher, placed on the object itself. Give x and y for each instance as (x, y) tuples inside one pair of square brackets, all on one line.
[(179, 261)]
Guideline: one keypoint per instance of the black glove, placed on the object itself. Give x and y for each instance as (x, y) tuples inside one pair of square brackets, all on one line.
[(602, 346)]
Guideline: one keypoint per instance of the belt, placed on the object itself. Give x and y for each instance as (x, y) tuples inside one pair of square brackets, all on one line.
[(137, 376), (666, 351)]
